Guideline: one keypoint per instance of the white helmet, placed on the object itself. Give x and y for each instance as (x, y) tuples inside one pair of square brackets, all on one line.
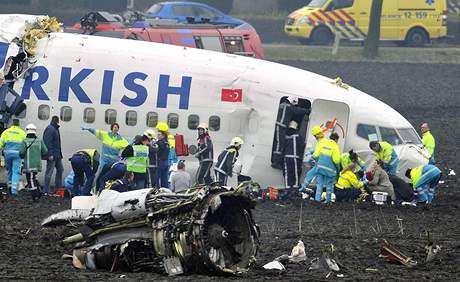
[(237, 141), (150, 133), (31, 128), (293, 100), (203, 125)]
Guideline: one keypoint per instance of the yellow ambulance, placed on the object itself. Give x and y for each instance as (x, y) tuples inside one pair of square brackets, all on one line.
[(415, 22)]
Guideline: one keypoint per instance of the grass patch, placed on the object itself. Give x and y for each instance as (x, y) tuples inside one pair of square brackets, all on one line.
[(277, 52)]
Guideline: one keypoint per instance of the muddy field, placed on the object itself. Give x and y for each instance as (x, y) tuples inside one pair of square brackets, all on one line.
[(420, 92)]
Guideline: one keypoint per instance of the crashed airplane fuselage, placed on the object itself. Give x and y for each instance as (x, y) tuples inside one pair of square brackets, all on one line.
[(206, 230), (95, 81)]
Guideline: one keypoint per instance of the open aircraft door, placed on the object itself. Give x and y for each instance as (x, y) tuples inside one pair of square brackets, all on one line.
[(329, 114)]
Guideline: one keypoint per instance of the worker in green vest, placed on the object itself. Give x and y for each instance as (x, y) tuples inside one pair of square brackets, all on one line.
[(137, 157), (84, 163), (33, 149), (428, 141)]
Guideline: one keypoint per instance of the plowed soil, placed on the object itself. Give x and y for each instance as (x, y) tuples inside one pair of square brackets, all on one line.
[(420, 92)]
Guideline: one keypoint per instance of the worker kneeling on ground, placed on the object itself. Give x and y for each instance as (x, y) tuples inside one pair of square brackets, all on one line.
[(327, 156), (379, 181), (425, 179), (84, 163), (348, 187), (385, 152), (226, 160), (124, 184)]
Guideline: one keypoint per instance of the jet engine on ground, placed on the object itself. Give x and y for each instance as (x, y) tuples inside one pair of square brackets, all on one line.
[(207, 230)]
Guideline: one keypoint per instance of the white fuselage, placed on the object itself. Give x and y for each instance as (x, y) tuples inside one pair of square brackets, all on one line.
[(142, 79)]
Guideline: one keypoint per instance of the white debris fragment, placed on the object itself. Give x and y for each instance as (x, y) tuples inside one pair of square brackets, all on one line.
[(274, 265), (452, 173), (442, 182), (298, 253)]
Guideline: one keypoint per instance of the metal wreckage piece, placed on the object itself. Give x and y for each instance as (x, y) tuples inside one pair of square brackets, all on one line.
[(207, 230)]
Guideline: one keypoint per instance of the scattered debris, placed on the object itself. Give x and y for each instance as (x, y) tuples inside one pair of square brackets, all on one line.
[(327, 261), (340, 275), (451, 173), (372, 270), (393, 255), (276, 265), (430, 248), (431, 252), (441, 182), (298, 253)]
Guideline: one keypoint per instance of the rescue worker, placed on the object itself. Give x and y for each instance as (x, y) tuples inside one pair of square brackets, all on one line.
[(351, 157), (153, 159), (292, 157), (287, 111), (348, 187), (428, 141), (124, 184), (226, 160), (385, 152), (172, 156), (11, 142), (205, 155), (327, 156), (85, 163), (112, 144), (379, 181), (163, 155), (33, 149), (425, 179), (136, 156)]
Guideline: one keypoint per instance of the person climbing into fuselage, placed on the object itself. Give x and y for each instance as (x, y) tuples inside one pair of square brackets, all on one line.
[(292, 157), (226, 160)]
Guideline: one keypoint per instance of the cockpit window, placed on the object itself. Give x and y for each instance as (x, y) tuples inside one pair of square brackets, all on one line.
[(389, 135), (368, 132), (409, 136)]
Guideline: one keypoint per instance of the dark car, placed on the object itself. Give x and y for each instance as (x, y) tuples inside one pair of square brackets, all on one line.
[(189, 12)]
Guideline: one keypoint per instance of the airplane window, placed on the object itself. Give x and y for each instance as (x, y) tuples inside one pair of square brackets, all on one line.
[(389, 135), (131, 118), (110, 116), (193, 121), (173, 120), (66, 113), (367, 132), (89, 115), (409, 136), (43, 112), (152, 119), (22, 114), (214, 123)]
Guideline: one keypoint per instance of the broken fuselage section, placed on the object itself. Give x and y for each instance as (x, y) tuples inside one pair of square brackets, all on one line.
[(208, 230)]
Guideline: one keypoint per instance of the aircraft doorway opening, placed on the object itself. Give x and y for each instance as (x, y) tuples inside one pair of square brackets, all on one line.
[(293, 116)]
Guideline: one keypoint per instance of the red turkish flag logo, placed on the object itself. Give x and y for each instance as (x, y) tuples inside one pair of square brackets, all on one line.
[(232, 95)]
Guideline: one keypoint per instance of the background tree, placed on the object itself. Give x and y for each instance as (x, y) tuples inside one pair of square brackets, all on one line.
[(371, 46)]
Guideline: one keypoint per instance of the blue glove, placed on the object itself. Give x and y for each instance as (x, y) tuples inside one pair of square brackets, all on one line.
[(302, 188), (84, 128)]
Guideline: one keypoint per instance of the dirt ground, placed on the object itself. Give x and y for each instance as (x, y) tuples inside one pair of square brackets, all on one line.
[(420, 92)]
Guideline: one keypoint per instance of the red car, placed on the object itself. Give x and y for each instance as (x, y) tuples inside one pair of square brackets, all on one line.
[(238, 41)]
